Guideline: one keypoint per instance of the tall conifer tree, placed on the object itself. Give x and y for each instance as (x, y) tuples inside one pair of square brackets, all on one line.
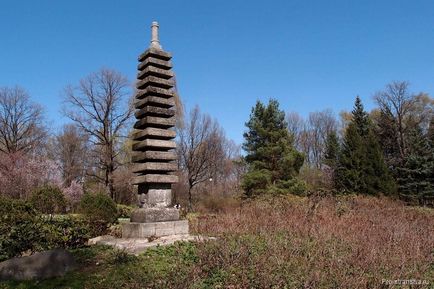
[(272, 160), (361, 167)]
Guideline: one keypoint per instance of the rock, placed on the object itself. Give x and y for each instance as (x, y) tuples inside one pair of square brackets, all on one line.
[(48, 264)]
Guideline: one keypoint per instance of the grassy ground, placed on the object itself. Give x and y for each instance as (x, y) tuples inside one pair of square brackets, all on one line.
[(352, 242)]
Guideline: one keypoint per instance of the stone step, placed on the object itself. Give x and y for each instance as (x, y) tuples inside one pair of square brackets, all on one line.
[(156, 133), (152, 156), (151, 61), (155, 81), (153, 144), (154, 111), (154, 71), (154, 121), (150, 166), (157, 53), (155, 178), (154, 229), (155, 91), (154, 100)]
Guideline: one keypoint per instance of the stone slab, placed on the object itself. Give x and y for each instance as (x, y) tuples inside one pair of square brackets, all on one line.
[(139, 245), (42, 265), (148, 215), (154, 229)]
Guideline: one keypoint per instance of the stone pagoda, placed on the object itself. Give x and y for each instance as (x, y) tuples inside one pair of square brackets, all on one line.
[(154, 157)]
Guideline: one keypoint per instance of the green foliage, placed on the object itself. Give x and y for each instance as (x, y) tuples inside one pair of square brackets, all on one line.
[(99, 210), (48, 200), (361, 167), (65, 232), (416, 175), (124, 211), (20, 228), (24, 230), (273, 163)]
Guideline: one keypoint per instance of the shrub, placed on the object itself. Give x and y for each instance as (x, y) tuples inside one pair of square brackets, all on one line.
[(124, 211), (20, 228), (48, 200), (66, 232), (99, 210)]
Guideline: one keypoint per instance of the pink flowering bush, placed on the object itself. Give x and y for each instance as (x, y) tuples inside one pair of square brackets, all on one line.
[(20, 174), (73, 193)]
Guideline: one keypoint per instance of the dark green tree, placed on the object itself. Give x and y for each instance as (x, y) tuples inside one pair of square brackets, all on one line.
[(361, 167), (416, 175), (331, 154), (272, 160), (332, 150)]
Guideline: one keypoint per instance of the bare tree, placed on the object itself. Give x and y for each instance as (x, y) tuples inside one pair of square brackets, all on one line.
[(200, 149), (321, 124), (70, 148), (296, 126), (310, 135), (99, 105), (21, 121), (400, 112)]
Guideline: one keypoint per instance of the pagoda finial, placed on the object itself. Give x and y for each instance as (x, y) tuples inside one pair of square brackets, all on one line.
[(155, 42)]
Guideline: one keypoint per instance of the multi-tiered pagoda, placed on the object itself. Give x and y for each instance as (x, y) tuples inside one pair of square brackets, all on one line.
[(154, 156)]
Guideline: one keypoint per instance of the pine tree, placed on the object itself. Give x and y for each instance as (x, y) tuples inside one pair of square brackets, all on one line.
[(361, 167), (416, 176), (271, 157)]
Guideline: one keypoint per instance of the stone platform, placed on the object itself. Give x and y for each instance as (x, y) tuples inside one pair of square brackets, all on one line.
[(154, 229), (139, 245)]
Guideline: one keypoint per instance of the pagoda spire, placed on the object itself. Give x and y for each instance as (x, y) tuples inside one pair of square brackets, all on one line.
[(155, 41)]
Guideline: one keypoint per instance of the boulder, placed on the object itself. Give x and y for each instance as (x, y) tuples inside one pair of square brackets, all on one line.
[(48, 264)]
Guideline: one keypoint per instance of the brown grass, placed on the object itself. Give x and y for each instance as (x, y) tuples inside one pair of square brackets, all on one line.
[(321, 242)]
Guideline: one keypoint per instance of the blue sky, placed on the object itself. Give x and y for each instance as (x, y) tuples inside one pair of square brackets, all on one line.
[(310, 55)]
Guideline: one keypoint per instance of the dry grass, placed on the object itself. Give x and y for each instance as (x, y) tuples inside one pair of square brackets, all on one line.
[(352, 242)]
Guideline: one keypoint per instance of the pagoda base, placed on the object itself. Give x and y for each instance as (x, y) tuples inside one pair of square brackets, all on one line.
[(154, 229), (148, 215)]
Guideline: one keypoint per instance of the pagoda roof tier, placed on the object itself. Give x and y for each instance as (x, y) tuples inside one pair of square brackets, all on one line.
[(155, 178), (156, 144), (155, 91), (154, 133), (155, 81), (163, 64), (155, 71), (150, 166), (156, 53), (154, 111), (153, 156), (153, 121), (154, 101)]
